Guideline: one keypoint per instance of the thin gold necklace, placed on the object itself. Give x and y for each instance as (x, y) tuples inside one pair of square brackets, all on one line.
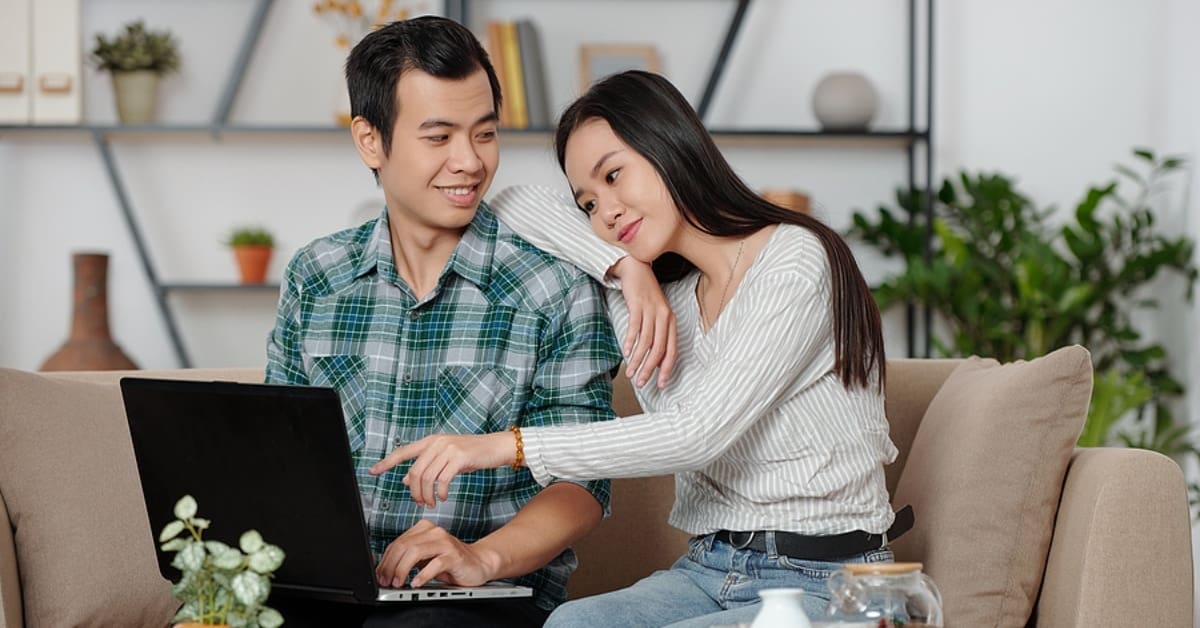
[(725, 290)]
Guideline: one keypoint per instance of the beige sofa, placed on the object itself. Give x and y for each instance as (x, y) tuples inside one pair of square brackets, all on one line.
[(1113, 548)]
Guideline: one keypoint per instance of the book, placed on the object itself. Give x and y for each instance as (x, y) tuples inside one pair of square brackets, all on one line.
[(537, 97), (514, 91), (497, 59)]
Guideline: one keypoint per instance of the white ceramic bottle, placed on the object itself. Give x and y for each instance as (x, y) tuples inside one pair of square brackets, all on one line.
[(781, 608)]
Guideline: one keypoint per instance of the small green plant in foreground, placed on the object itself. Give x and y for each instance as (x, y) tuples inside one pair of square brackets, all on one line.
[(220, 584)]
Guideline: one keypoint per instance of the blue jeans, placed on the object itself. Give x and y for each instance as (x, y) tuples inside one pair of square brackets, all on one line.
[(715, 583)]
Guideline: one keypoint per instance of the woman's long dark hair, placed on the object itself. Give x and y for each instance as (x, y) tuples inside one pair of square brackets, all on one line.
[(652, 117)]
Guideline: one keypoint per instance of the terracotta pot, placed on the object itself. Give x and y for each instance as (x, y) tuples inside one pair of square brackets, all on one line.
[(788, 199), (195, 625), (90, 346), (136, 95), (253, 261)]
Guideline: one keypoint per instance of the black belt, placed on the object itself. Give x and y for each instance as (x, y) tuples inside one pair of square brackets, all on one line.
[(820, 547)]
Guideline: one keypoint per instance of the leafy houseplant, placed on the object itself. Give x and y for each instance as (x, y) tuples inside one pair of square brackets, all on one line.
[(137, 58), (221, 585), (1007, 283), (251, 236), (252, 247)]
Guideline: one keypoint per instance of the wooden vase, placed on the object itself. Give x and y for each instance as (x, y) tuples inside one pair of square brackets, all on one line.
[(90, 346)]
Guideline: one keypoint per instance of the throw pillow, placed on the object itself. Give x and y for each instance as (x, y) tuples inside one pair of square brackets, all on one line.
[(984, 477), (84, 548)]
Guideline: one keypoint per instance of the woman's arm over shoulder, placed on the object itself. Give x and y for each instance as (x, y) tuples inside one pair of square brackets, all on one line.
[(772, 341), (551, 222), (639, 310)]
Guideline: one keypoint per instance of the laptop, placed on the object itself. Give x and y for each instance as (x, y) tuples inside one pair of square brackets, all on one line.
[(274, 459)]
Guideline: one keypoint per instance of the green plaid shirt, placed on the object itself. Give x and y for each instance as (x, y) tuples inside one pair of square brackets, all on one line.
[(508, 335)]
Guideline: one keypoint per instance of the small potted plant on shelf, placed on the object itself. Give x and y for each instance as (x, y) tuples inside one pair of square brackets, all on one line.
[(137, 59), (252, 247), (220, 585)]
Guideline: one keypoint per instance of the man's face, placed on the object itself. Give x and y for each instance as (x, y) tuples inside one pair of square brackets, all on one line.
[(444, 151)]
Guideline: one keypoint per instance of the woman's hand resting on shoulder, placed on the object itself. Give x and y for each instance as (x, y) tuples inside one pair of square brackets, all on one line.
[(439, 458), (650, 342)]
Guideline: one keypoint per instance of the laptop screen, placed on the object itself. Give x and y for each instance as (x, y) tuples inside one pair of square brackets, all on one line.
[(270, 458)]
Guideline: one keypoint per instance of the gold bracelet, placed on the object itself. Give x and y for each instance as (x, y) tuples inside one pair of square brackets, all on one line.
[(520, 459)]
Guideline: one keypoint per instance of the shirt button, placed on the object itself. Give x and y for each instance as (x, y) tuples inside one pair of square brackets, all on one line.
[(384, 505), (396, 442), (413, 315), (407, 376)]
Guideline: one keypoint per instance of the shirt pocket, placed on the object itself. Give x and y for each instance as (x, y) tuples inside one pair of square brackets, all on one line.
[(476, 399), (347, 374)]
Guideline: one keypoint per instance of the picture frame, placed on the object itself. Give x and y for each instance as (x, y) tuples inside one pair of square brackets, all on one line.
[(597, 61)]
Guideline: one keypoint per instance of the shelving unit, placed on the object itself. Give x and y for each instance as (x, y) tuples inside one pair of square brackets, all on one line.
[(915, 139), (102, 136)]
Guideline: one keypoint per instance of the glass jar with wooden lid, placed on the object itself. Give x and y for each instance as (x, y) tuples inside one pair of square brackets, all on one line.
[(884, 595)]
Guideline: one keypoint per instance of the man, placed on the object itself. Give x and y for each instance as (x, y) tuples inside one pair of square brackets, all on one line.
[(436, 318)]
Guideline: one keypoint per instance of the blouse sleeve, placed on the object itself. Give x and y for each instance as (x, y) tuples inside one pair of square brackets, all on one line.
[(551, 222), (775, 340)]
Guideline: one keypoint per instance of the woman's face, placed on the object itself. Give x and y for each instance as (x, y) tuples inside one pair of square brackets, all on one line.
[(623, 195)]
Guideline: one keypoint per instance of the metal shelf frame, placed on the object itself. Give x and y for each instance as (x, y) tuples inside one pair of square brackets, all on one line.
[(116, 131), (917, 140), (220, 124)]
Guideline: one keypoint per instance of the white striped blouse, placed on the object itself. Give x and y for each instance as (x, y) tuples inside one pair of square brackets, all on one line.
[(754, 422)]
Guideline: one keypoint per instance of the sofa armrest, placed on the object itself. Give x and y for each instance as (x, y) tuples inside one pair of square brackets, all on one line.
[(1122, 548), (10, 583)]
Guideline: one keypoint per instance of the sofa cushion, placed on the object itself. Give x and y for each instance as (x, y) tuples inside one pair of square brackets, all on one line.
[(984, 477), (84, 549)]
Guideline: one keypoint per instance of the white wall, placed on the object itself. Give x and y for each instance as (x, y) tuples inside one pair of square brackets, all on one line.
[(1179, 132), (189, 191), (1051, 94)]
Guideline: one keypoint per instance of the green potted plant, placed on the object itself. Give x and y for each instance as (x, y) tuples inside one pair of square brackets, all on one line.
[(1049, 283), (252, 247), (137, 59), (220, 585)]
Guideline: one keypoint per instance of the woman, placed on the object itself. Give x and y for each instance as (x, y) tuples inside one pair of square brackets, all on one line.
[(773, 417)]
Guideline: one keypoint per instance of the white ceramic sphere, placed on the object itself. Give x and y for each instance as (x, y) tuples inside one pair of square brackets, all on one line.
[(845, 101)]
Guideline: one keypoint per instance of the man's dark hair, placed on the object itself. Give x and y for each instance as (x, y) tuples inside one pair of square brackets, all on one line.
[(434, 45), (650, 116)]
